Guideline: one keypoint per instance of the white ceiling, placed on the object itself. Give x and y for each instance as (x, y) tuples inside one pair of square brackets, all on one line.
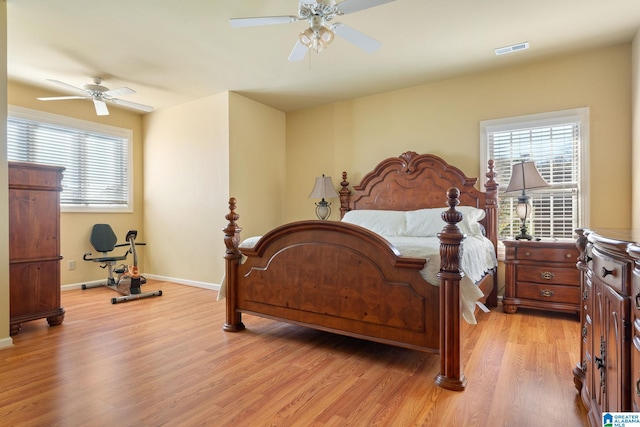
[(173, 52)]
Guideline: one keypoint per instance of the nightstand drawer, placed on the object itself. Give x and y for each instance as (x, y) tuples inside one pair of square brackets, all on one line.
[(547, 254), (550, 293), (550, 275)]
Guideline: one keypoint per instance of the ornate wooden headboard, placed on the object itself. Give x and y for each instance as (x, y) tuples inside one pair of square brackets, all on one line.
[(418, 181)]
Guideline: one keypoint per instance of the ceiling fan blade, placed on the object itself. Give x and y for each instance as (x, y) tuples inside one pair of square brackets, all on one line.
[(68, 86), (119, 91), (262, 20), (130, 104), (298, 52), (359, 39), (350, 6), (101, 107), (61, 98)]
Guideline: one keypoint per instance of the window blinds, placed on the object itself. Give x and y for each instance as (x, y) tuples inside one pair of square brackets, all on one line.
[(96, 164), (555, 150)]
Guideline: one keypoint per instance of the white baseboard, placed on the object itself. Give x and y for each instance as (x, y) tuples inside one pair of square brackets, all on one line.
[(6, 342), (194, 283)]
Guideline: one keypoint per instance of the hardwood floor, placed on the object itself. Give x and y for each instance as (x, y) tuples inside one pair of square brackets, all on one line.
[(166, 362)]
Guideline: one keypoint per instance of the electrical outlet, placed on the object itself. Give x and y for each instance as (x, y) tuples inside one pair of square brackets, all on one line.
[(71, 265)]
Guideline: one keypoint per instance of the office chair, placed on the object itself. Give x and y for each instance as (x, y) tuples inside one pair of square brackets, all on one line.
[(128, 279)]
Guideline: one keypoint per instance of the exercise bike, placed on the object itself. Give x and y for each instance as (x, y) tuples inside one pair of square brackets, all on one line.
[(125, 279)]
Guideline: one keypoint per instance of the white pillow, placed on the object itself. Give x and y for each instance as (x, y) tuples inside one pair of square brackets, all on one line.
[(429, 222), (385, 223), (470, 217), (425, 222)]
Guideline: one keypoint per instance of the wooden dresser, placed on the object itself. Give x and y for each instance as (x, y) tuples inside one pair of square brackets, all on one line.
[(541, 275), (608, 374), (34, 244)]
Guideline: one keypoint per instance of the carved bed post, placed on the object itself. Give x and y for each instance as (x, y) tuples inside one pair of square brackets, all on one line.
[(232, 258), (345, 194), (451, 376), (491, 224)]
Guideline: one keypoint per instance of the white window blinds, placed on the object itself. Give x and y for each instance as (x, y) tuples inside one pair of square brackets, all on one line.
[(555, 145), (95, 158)]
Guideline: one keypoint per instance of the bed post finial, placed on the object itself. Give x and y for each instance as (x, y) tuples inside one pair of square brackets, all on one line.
[(345, 195), (451, 376), (232, 231), (232, 259), (491, 185)]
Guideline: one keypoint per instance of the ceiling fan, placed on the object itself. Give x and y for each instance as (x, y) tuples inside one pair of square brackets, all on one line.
[(318, 13), (100, 95)]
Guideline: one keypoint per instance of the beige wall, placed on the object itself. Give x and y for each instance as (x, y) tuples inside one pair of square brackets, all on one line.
[(257, 164), (443, 118), (635, 109), (5, 340), (186, 162), (76, 227), (196, 156)]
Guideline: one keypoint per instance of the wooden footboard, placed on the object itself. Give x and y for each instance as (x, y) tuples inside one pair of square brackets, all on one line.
[(342, 278)]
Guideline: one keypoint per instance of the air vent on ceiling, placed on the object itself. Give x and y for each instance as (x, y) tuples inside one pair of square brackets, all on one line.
[(512, 48)]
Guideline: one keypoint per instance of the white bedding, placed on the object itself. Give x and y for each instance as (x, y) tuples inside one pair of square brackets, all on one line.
[(478, 257)]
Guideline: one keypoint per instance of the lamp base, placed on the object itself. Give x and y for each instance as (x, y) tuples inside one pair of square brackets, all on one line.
[(323, 210), (523, 233), (524, 237)]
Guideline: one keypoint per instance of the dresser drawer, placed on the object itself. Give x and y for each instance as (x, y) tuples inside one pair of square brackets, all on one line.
[(612, 271), (550, 254), (550, 275), (549, 293)]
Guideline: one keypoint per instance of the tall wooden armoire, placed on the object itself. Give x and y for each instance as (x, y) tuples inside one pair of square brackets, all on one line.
[(34, 244)]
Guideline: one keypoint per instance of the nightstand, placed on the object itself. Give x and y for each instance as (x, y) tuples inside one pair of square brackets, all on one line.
[(542, 275)]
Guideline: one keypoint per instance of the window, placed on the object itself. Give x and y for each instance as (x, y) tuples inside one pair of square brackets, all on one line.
[(96, 157), (557, 143)]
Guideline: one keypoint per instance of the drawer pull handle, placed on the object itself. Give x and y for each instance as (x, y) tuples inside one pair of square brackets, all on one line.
[(546, 275), (606, 272), (527, 253), (546, 293), (567, 255)]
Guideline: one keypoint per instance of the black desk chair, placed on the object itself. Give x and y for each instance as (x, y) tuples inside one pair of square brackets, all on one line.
[(128, 281)]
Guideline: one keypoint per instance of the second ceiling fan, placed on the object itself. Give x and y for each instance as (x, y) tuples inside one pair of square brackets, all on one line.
[(319, 13), (100, 95)]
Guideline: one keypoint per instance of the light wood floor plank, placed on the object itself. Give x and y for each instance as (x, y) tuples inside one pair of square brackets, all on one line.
[(166, 362)]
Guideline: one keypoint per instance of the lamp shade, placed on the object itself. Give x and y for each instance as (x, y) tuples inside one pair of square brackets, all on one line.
[(525, 176), (323, 189)]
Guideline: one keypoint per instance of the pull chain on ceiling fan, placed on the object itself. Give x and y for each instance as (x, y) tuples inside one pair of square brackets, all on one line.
[(318, 14), (100, 96)]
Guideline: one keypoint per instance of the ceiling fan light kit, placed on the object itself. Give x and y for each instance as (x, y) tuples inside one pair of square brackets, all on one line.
[(320, 34), (316, 37), (100, 95)]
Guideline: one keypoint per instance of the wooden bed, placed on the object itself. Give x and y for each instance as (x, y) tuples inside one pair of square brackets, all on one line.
[(342, 278)]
